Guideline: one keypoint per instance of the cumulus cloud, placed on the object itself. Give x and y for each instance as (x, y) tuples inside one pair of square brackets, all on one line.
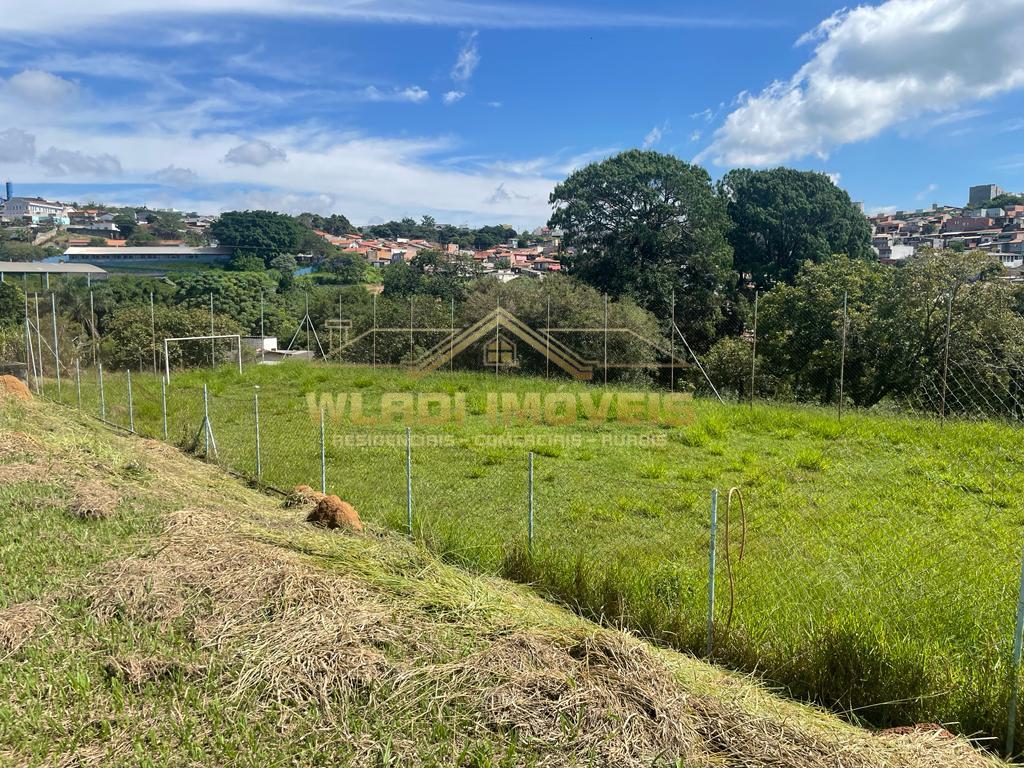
[(452, 96), (468, 59), (17, 146), (38, 87), (66, 162), (874, 67), (175, 176), (413, 94), (257, 152)]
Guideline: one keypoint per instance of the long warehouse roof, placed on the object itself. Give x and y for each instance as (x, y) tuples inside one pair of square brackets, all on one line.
[(39, 268)]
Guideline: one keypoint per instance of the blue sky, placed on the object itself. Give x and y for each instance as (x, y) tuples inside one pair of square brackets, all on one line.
[(472, 112)]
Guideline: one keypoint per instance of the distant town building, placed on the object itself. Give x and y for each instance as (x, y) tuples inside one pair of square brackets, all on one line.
[(35, 209), (145, 253), (981, 194)]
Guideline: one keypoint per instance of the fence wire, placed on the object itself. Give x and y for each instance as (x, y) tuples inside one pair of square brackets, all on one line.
[(875, 569)]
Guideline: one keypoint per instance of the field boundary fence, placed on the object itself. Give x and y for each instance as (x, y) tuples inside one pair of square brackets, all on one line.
[(689, 573)]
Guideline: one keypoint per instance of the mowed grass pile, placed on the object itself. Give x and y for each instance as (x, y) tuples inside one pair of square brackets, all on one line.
[(882, 552), (162, 614)]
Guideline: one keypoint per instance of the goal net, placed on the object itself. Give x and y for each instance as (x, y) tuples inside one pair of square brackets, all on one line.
[(202, 352)]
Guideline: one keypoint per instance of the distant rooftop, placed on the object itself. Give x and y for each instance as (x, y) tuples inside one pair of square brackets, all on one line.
[(145, 250), (39, 268)]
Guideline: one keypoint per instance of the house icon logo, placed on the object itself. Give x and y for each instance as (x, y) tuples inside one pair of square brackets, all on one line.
[(504, 330)]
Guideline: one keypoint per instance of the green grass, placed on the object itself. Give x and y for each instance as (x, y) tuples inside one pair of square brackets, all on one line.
[(882, 552), (205, 625)]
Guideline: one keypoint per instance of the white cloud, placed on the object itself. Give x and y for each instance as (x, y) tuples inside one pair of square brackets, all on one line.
[(35, 86), (17, 146), (66, 162), (468, 59), (452, 96), (412, 94), (257, 153), (695, 136), (882, 209), (927, 191), (175, 176), (874, 67), (655, 135), (835, 177), (455, 13)]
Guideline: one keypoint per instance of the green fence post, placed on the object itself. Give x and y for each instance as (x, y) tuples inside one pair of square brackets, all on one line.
[(1018, 638), (529, 522), (711, 570), (408, 480)]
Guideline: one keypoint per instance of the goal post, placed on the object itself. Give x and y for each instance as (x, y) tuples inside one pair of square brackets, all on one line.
[(212, 338)]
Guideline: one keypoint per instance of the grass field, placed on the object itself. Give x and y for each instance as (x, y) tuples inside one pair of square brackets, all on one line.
[(881, 558)]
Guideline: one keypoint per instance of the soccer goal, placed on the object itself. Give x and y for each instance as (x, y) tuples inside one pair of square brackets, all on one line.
[(192, 351)]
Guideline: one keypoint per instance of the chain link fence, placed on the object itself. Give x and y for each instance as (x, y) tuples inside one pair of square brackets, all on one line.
[(870, 560)]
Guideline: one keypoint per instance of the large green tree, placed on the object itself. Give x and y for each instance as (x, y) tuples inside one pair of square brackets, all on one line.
[(335, 224), (649, 226), (783, 217), (128, 342), (257, 235), (896, 333), (12, 303)]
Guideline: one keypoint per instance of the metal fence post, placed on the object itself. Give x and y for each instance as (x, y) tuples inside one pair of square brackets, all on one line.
[(256, 416), (131, 405), (163, 405), (711, 570), (39, 339), (753, 356), (93, 333), (56, 351), (408, 480), (206, 422), (323, 454), (842, 357), (529, 521), (672, 349), (606, 339), (103, 396), (945, 355), (1018, 637), (30, 358), (78, 382)]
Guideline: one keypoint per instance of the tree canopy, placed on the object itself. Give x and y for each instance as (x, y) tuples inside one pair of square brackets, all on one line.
[(257, 235), (1005, 199), (335, 224), (12, 303), (784, 217), (649, 226)]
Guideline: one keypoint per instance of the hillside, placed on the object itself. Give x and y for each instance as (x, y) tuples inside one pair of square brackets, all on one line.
[(154, 611), (850, 591)]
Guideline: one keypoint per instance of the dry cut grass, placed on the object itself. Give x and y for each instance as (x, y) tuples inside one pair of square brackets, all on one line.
[(367, 650)]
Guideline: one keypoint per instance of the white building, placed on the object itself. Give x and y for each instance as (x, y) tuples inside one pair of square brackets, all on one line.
[(36, 209)]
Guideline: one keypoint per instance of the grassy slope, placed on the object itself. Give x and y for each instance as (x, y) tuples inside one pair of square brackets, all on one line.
[(203, 624), (852, 591)]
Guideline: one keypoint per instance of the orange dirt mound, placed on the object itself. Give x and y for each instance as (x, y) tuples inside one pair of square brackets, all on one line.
[(332, 512), (15, 387)]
